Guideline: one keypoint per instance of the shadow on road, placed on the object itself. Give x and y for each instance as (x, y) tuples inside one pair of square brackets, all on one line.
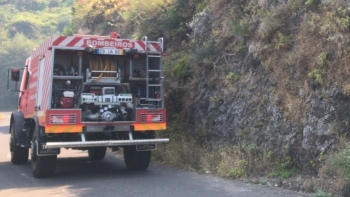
[(82, 169), (77, 173)]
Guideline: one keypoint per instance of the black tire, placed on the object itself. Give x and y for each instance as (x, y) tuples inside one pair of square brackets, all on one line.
[(19, 155), (42, 166), (136, 160), (97, 153)]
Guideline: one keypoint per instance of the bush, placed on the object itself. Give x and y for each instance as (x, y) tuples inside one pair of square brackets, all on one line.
[(69, 29), (182, 69), (341, 162), (322, 194), (284, 41), (232, 77), (205, 53), (273, 21), (240, 170), (317, 74), (33, 5)]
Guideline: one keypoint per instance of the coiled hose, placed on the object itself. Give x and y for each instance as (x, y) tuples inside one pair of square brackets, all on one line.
[(105, 63)]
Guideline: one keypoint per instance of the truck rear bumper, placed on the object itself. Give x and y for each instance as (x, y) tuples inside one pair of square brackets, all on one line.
[(109, 143)]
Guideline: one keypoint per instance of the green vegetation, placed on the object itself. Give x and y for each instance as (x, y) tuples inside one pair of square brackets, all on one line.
[(240, 170), (232, 77), (321, 193), (182, 69), (283, 41), (26, 23), (287, 173), (317, 75), (339, 165)]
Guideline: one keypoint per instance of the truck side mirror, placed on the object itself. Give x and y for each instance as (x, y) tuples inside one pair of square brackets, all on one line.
[(15, 74)]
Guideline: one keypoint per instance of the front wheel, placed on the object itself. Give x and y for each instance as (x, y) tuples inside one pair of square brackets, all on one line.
[(19, 155), (42, 166)]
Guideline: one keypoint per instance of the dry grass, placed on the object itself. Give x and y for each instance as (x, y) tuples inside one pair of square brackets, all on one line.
[(188, 156), (244, 161), (334, 173), (346, 89), (231, 161), (295, 108), (309, 186)]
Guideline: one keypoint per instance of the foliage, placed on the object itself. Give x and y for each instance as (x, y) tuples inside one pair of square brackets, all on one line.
[(17, 48), (317, 74), (321, 193), (32, 5), (182, 69), (135, 18), (287, 173), (232, 77), (204, 53), (341, 162), (89, 14), (26, 23), (283, 41), (284, 169), (239, 170), (128, 17)]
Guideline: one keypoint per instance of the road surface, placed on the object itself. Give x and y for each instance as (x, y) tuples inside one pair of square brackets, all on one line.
[(77, 176)]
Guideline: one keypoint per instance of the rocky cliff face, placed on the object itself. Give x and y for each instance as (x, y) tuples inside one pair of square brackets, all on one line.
[(251, 113), (243, 96)]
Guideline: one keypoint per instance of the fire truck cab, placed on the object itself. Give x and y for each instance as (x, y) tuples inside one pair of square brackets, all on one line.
[(89, 93)]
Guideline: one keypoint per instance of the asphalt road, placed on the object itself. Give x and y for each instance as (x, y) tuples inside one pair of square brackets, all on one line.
[(77, 176)]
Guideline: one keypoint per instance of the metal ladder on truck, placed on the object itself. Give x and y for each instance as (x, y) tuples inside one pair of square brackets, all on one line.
[(154, 72)]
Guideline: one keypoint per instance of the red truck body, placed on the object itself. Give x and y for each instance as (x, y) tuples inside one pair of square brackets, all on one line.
[(90, 92)]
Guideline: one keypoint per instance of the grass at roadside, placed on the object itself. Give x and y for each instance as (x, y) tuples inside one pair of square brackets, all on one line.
[(248, 162), (222, 159)]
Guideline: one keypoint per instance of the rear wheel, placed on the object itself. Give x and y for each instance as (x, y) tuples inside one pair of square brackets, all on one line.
[(138, 160), (19, 155), (42, 166), (97, 153)]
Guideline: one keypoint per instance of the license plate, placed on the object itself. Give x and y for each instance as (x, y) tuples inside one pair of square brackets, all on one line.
[(109, 51), (47, 151), (146, 147)]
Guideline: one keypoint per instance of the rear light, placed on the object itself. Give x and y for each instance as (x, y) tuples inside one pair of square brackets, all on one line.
[(65, 119), (62, 119), (148, 118), (151, 117)]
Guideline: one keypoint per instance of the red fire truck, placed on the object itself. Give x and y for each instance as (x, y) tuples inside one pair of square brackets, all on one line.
[(88, 93)]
